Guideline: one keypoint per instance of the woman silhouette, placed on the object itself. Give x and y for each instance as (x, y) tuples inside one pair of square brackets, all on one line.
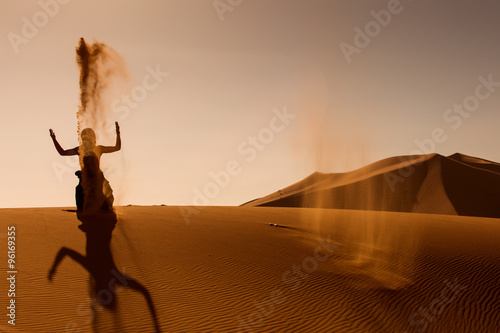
[(92, 182)]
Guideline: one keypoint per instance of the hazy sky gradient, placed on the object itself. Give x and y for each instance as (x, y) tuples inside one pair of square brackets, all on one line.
[(226, 78)]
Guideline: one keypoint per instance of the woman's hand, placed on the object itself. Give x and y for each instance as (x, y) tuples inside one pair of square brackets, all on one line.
[(52, 134), (117, 127)]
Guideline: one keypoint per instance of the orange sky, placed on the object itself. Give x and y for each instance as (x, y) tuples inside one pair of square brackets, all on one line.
[(352, 97)]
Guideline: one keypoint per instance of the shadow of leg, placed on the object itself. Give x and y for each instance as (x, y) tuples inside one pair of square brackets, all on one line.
[(133, 284), (63, 252)]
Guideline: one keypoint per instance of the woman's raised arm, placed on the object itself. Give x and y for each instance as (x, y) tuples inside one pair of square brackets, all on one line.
[(60, 150), (117, 146)]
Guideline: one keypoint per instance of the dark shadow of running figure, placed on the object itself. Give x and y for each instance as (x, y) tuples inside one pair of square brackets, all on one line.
[(98, 222)]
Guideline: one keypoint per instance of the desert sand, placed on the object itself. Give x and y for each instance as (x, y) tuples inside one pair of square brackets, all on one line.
[(264, 269), (384, 248)]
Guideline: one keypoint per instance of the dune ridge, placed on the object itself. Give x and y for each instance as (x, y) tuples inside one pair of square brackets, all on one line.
[(434, 184)]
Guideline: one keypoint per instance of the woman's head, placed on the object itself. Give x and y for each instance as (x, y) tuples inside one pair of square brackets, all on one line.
[(88, 137)]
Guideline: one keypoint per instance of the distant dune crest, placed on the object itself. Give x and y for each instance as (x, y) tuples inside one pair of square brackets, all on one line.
[(455, 185)]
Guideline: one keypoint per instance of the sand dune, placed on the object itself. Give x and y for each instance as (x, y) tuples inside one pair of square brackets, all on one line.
[(434, 184), (265, 269)]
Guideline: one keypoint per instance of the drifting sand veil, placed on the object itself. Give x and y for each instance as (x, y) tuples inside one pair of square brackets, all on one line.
[(228, 270), (383, 249), (435, 184)]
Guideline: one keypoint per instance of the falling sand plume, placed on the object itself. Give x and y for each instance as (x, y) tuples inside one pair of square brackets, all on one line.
[(103, 76), (103, 73)]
